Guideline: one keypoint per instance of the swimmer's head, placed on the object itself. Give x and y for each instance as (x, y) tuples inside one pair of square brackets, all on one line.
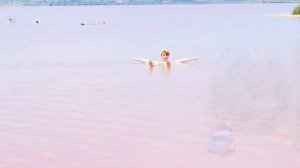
[(165, 53)]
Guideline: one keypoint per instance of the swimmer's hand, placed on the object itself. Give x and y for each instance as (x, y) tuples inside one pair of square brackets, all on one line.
[(149, 62), (185, 60), (153, 63)]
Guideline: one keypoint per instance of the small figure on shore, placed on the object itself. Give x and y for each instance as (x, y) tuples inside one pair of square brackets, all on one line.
[(165, 60), (37, 21), (11, 20)]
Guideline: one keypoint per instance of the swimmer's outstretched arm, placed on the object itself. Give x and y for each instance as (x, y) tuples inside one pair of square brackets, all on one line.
[(149, 62), (141, 60), (185, 60)]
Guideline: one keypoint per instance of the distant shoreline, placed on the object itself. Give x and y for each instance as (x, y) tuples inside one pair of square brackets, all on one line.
[(282, 15), (133, 3)]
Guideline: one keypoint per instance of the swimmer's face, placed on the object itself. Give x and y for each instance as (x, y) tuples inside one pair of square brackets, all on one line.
[(164, 56)]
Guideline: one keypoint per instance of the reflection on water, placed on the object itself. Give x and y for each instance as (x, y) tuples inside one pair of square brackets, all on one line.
[(71, 97), (222, 141)]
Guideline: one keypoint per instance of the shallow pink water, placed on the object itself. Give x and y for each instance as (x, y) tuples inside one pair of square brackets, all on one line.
[(70, 95)]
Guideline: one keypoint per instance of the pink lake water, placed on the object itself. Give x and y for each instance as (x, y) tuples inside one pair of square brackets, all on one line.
[(71, 96)]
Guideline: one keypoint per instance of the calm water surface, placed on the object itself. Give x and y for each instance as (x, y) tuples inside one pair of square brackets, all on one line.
[(71, 96)]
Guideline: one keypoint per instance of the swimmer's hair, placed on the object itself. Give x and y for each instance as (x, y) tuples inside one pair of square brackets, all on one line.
[(166, 51)]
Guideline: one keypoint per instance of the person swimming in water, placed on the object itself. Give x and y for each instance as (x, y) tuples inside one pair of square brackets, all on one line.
[(165, 54)]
